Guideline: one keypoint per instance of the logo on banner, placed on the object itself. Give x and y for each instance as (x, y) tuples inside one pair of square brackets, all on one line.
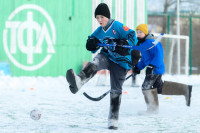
[(29, 37)]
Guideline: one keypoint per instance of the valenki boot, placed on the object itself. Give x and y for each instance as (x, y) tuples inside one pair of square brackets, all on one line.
[(115, 101), (173, 88), (151, 100), (77, 81)]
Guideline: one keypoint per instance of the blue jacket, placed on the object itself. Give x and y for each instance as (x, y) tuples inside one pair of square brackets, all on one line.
[(153, 56), (116, 30)]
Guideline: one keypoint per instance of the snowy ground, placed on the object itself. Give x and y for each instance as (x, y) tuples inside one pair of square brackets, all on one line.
[(64, 112)]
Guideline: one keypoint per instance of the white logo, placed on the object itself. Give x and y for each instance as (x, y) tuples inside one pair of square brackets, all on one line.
[(28, 36)]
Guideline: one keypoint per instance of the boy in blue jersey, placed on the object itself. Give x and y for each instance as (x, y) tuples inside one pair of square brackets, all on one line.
[(152, 59), (117, 60)]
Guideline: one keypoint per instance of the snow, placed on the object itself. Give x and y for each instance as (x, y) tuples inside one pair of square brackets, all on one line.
[(64, 112)]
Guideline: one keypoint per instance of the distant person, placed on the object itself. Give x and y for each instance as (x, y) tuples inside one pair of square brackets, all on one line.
[(115, 59), (153, 84)]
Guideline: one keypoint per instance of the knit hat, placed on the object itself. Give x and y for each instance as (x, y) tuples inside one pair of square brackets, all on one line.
[(143, 28), (102, 9)]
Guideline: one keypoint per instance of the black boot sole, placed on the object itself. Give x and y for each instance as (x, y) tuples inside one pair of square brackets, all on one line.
[(190, 94), (71, 80), (113, 127)]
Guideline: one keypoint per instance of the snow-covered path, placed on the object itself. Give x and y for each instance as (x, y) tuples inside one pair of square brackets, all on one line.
[(64, 112)]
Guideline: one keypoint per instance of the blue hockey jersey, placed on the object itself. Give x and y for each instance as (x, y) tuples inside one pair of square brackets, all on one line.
[(153, 56), (116, 30)]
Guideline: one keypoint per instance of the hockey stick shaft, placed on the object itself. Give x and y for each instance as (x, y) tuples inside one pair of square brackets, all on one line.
[(133, 74), (143, 48), (158, 38), (104, 94)]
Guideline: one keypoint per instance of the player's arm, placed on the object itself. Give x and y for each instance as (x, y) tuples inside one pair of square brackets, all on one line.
[(93, 40), (127, 37), (126, 33)]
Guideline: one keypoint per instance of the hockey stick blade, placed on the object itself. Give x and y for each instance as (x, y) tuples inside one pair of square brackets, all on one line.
[(103, 95), (96, 99)]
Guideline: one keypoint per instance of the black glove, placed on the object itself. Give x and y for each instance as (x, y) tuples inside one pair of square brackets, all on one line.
[(135, 57), (119, 49), (136, 70), (149, 69), (91, 44)]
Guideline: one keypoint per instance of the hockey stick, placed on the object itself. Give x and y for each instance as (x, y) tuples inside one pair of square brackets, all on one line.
[(97, 98), (104, 94), (140, 48)]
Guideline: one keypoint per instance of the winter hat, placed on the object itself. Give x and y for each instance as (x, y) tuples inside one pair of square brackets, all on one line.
[(143, 28), (102, 9)]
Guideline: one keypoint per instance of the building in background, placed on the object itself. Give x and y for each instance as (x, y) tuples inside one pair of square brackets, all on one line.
[(47, 37), (162, 18)]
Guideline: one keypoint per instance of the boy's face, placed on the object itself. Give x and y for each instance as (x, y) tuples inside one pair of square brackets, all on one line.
[(102, 20), (140, 34)]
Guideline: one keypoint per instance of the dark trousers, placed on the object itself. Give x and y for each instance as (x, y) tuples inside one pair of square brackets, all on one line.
[(153, 81), (117, 73)]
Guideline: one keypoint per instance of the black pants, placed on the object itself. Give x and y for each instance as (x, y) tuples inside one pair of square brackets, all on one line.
[(153, 81)]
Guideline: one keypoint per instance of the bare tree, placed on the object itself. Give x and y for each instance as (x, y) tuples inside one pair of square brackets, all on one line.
[(169, 3)]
